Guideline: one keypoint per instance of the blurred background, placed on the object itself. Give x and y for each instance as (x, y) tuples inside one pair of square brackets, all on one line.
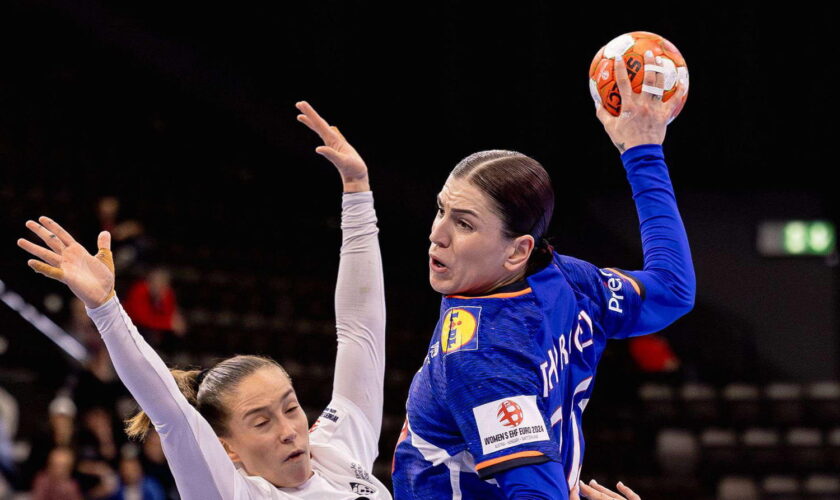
[(172, 124)]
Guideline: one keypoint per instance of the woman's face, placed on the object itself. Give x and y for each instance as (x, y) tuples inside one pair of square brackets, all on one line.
[(469, 253), (268, 431)]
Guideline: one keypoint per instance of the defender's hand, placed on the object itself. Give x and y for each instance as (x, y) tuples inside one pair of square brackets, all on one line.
[(346, 159), (89, 277), (644, 117), (594, 491)]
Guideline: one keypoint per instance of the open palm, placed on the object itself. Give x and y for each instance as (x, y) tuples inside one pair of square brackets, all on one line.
[(89, 277)]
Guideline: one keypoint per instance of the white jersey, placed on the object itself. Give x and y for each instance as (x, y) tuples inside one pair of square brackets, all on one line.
[(344, 440)]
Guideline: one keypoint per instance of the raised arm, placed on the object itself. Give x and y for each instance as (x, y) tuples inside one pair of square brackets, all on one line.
[(201, 468), (667, 281), (359, 291)]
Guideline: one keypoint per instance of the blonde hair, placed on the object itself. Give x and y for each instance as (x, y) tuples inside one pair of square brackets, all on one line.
[(206, 390)]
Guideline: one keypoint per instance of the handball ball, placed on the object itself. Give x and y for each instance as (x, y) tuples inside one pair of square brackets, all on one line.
[(632, 46)]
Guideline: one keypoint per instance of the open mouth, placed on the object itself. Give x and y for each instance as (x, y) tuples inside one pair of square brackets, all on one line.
[(294, 455), (437, 265)]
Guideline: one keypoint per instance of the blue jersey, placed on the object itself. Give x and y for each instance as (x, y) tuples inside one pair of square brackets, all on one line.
[(507, 376)]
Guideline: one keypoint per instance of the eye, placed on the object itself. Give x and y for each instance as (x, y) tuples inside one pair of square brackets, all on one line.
[(292, 409), (464, 224), (262, 423)]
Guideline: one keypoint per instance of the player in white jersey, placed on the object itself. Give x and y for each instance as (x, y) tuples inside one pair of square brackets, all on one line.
[(247, 436)]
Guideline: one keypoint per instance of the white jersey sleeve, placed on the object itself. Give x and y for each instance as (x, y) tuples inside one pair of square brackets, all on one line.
[(360, 324), (199, 463)]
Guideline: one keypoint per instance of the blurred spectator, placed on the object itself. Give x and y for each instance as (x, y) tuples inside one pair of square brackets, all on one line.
[(127, 236), (134, 485), (61, 433), (653, 354), (56, 481), (98, 384), (152, 305), (97, 439), (8, 429), (154, 463)]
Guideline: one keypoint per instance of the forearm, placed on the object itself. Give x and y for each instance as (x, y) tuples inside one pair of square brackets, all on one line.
[(360, 309), (668, 275), (198, 462)]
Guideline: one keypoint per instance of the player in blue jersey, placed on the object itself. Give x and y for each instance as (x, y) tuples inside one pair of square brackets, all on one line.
[(495, 410)]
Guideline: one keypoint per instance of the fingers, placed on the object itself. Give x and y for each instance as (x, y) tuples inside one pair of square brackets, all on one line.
[(627, 492), (49, 238), (313, 120), (338, 132), (42, 253), (622, 80), (47, 270), (329, 153), (104, 254), (676, 100), (653, 80), (605, 493), (104, 240), (57, 230)]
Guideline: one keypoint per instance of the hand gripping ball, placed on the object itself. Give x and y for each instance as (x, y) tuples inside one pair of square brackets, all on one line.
[(632, 47)]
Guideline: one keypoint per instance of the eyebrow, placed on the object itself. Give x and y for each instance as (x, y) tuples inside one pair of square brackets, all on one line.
[(263, 408), (460, 210)]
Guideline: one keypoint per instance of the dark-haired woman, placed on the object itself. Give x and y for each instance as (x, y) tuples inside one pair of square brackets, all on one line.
[(237, 430), (495, 411)]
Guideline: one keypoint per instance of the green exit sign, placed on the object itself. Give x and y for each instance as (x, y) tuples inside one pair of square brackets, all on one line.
[(796, 237)]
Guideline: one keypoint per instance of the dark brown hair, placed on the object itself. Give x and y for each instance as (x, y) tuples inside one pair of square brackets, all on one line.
[(521, 192), (206, 391)]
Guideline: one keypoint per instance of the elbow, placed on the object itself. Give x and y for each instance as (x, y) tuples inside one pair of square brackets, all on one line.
[(683, 296)]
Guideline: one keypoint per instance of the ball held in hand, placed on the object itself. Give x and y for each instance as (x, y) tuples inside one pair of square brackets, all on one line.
[(632, 47)]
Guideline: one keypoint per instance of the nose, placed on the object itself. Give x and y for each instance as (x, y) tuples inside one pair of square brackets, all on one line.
[(439, 235), (287, 432)]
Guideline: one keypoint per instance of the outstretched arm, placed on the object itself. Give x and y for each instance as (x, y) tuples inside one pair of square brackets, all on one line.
[(667, 281), (201, 468), (359, 291)]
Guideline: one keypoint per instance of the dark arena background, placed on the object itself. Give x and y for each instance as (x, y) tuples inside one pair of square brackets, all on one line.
[(173, 124)]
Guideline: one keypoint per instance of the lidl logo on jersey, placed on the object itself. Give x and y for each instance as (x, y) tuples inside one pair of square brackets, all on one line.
[(459, 331), (509, 422)]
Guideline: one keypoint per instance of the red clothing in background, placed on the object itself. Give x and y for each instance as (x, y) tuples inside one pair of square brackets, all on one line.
[(652, 354), (146, 312)]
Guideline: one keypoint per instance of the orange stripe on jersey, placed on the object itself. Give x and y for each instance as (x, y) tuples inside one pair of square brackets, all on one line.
[(628, 278), (494, 296), (521, 454)]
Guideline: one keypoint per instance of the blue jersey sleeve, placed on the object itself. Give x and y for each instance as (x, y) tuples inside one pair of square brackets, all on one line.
[(668, 275), (534, 482), (640, 302), (493, 386)]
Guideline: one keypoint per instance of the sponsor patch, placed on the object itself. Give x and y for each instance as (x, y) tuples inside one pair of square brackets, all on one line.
[(330, 414), (509, 422), (459, 331), (360, 472), (362, 489)]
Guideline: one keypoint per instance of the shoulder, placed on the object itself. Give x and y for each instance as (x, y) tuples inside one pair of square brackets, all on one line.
[(478, 323)]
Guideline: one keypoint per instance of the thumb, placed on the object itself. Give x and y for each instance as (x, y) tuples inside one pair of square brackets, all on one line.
[(329, 153), (104, 240)]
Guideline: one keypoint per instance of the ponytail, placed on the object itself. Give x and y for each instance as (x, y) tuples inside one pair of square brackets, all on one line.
[(540, 257), (139, 425)]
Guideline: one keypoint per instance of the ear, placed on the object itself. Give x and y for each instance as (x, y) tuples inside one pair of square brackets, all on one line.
[(519, 253), (231, 453)]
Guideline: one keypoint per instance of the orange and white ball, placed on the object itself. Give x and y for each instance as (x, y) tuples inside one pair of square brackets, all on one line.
[(632, 47)]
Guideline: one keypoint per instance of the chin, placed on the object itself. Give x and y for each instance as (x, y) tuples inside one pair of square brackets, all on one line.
[(441, 286), (296, 476)]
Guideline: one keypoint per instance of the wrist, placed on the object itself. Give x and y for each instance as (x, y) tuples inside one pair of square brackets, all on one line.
[(356, 185)]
